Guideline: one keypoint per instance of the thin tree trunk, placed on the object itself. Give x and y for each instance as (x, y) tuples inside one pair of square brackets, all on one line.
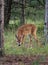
[(46, 21), (23, 13), (1, 26)]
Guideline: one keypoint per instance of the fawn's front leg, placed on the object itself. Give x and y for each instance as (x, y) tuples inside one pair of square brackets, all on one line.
[(30, 40), (23, 39)]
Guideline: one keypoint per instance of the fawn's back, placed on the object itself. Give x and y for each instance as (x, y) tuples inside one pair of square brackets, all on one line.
[(27, 29)]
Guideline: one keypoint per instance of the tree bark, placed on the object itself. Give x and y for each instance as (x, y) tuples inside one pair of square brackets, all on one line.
[(46, 21), (1, 27), (22, 13)]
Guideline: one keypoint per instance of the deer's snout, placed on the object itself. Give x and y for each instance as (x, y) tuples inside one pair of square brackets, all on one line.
[(19, 45)]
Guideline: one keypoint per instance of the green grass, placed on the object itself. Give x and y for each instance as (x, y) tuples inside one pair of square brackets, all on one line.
[(11, 47)]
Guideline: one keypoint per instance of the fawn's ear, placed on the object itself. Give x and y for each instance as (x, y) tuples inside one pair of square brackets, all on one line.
[(16, 36)]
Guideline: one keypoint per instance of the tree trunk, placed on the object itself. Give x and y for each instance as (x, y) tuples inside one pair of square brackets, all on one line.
[(46, 21), (23, 13), (1, 26)]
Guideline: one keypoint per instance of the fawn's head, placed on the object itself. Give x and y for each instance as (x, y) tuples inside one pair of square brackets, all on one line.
[(19, 40)]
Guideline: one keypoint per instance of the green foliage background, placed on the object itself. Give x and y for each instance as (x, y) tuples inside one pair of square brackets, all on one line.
[(33, 15)]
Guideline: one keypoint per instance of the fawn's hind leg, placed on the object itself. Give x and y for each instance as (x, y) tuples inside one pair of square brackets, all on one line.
[(35, 37)]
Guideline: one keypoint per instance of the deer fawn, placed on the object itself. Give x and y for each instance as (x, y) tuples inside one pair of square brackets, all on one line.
[(26, 29)]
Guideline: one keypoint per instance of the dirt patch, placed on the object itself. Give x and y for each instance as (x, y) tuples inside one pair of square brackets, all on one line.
[(24, 60)]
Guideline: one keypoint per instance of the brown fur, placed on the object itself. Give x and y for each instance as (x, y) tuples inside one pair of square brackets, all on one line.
[(27, 29)]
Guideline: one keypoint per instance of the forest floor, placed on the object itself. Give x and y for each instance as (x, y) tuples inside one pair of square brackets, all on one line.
[(24, 60)]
